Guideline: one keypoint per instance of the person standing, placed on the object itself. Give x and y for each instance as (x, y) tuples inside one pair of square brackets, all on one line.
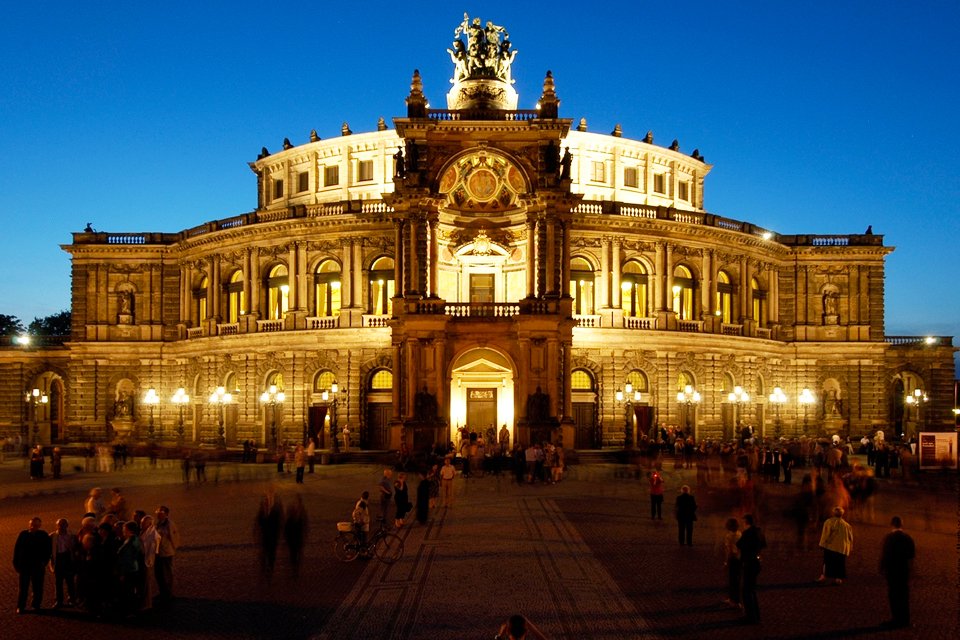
[(750, 544), (168, 541), (401, 499), (656, 496), (31, 553), (300, 462), (148, 543), (128, 567), (686, 513), (731, 560), (311, 453), (447, 473), (836, 540), (62, 552), (386, 495), (36, 463), (56, 462), (896, 560)]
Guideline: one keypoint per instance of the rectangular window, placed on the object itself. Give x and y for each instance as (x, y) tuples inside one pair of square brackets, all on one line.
[(659, 183), (630, 177), (481, 287), (365, 171), (277, 189), (599, 174), (331, 176), (303, 181), (683, 190)]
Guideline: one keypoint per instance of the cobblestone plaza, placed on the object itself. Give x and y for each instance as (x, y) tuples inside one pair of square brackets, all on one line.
[(580, 558)]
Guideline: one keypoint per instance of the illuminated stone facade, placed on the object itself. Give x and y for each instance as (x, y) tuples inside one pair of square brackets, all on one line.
[(478, 265)]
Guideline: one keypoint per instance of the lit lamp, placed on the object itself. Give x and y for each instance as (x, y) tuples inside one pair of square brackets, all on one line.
[(332, 397), (806, 398), (738, 397), (688, 398), (181, 399), (35, 399), (627, 399), (777, 398), (220, 398), (271, 397), (916, 399), (151, 399)]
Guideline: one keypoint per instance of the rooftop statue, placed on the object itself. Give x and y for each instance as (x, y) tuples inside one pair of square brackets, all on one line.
[(487, 53)]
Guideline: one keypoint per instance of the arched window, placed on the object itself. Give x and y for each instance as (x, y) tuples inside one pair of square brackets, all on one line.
[(230, 384), (235, 299), (278, 291), (638, 381), (200, 302), (728, 384), (327, 289), (633, 290), (581, 380), (684, 378), (381, 380), (683, 292), (759, 302), (725, 291), (382, 287), (581, 286), (275, 378), (324, 381)]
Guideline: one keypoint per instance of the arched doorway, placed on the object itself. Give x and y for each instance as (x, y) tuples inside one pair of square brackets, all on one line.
[(481, 394), (583, 388)]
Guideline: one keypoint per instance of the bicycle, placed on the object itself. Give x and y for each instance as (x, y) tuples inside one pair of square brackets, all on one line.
[(382, 543)]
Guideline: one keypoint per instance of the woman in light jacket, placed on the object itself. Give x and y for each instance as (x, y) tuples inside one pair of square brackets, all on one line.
[(836, 540)]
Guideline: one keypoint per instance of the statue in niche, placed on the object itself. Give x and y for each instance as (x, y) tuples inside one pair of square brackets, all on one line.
[(538, 406), (831, 304), (123, 406), (425, 407), (125, 302), (565, 163)]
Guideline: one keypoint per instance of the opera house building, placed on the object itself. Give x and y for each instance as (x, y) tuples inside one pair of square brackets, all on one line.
[(475, 266)]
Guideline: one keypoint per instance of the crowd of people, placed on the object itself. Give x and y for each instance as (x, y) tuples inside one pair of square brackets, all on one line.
[(117, 564)]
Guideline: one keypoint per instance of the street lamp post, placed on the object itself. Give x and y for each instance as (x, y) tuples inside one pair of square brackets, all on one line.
[(628, 397), (181, 399), (689, 397), (777, 398), (35, 399), (806, 398), (332, 397), (916, 399), (270, 398), (221, 399), (151, 399), (738, 397)]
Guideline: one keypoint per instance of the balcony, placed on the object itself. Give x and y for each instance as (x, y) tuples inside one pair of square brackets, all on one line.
[(323, 322)]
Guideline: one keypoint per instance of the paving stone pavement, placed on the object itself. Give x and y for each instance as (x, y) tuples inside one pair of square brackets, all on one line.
[(580, 558)]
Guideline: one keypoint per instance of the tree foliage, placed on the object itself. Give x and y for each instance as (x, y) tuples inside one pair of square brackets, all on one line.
[(10, 325), (57, 324)]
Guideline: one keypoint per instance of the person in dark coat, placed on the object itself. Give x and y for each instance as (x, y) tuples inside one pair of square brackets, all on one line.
[(267, 530), (401, 497), (896, 560), (750, 544), (295, 532), (686, 512), (31, 553)]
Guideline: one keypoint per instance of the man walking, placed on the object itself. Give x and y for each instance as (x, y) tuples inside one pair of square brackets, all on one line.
[(750, 544), (31, 553), (686, 512), (168, 541), (895, 564)]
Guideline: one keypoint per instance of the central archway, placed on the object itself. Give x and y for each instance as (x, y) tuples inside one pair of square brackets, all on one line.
[(481, 393)]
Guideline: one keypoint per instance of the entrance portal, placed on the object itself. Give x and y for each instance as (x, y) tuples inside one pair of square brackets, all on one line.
[(481, 393), (481, 410)]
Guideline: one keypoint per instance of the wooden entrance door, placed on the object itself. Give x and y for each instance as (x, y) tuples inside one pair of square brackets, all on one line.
[(378, 421), (481, 409), (584, 416)]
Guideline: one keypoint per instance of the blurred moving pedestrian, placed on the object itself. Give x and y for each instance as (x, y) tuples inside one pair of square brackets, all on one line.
[(386, 495), (731, 561), (750, 544), (267, 530), (31, 553), (295, 530), (836, 540), (401, 499), (686, 513), (896, 563), (656, 495), (95, 504), (423, 498), (519, 628), (148, 542), (300, 462)]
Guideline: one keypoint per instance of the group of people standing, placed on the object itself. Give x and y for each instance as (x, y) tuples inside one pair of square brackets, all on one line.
[(109, 567)]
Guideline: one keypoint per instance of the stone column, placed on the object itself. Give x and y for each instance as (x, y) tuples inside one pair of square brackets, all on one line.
[(564, 256), (356, 264), (606, 299), (256, 282), (708, 285), (413, 266), (398, 265), (211, 289), (541, 256), (293, 279), (658, 280), (616, 268), (668, 277), (346, 274), (531, 257), (551, 256), (184, 294), (247, 283), (302, 279), (434, 257)]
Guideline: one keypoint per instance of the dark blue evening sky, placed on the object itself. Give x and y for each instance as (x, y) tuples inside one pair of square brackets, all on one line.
[(819, 117)]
